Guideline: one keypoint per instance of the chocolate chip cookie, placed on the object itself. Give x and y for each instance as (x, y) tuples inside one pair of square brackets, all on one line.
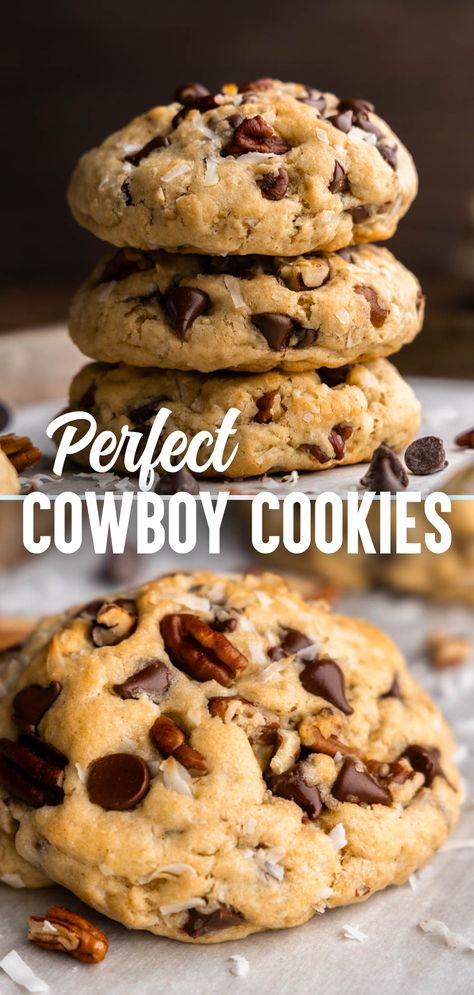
[(272, 165), (208, 757), (298, 421), (251, 313)]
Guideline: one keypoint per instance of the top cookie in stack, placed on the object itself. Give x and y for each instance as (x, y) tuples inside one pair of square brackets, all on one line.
[(234, 212)]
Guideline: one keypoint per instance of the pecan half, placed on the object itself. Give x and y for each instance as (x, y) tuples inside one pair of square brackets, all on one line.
[(32, 771), (313, 739), (115, 620), (170, 741), (254, 134), (20, 451), (201, 652), (68, 932)]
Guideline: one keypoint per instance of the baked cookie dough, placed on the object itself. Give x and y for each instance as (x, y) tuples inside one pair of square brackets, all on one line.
[(207, 757), (9, 482), (273, 166), (287, 421), (251, 313)]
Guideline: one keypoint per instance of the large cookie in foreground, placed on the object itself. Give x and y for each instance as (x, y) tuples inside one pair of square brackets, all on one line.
[(278, 168), (250, 313), (208, 757), (299, 421)]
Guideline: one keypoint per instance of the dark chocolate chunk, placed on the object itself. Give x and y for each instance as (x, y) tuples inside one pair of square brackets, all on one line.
[(202, 104), (425, 760), (185, 304), (262, 83), (32, 702), (362, 120), (292, 641), (305, 337), (315, 99), (385, 473), (125, 263), (339, 181), (354, 784), (333, 377), (293, 786), (338, 437), (127, 193), (426, 455), (342, 121), (360, 213), (201, 923), (188, 92), (118, 781), (158, 142), (390, 154), (274, 185), (276, 328), (325, 679), (153, 680), (378, 313), (394, 690), (355, 104), (176, 482)]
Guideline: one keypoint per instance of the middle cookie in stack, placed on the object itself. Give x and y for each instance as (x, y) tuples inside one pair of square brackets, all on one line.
[(321, 321)]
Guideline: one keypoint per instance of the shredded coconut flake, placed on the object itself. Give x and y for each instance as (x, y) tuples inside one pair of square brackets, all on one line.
[(174, 870), (233, 286), (178, 170), (176, 777), (80, 773), (354, 933), (211, 174), (192, 903), (48, 927), (200, 126), (12, 880), (239, 966), (256, 156), (194, 603), (338, 836), (16, 969), (455, 941), (343, 316)]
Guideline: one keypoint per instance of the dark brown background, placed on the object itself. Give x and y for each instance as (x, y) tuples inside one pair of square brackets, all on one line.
[(74, 71)]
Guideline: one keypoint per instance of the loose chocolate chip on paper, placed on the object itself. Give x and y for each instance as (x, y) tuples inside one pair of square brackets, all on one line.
[(339, 181), (324, 678), (465, 439), (355, 104), (32, 702), (274, 185), (118, 781), (177, 482), (185, 304), (425, 760), (342, 121), (354, 784), (158, 142), (426, 455), (190, 91), (4, 417), (385, 473), (201, 923), (293, 786), (378, 313), (276, 328), (153, 680), (389, 153)]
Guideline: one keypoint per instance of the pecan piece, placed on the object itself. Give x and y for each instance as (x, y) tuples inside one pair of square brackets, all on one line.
[(378, 313), (68, 932), (20, 451), (170, 741), (445, 649), (200, 651), (265, 405), (32, 771), (313, 739), (115, 620), (254, 134)]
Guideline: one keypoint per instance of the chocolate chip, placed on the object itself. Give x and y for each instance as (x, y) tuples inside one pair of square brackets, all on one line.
[(4, 417), (145, 412), (293, 786), (125, 263), (390, 154), (32, 702), (118, 781), (465, 439), (235, 119), (263, 83), (185, 304), (177, 482), (202, 104), (339, 181), (276, 328), (362, 120), (274, 185), (355, 104), (355, 785), (316, 452), (333, 377), (292, 641), (347, 254), (201, 923), (265, 407), (341, 121), (188, 92), (305, 337), (158, 142), (315, 99), (126, 193), (325, 679), (254, 134), (378, 313), (153, 680), (87, 401), (338, 437), (394, 690), (426, 455), (360, 213), (385, 473), (425, 760), (224, 624)]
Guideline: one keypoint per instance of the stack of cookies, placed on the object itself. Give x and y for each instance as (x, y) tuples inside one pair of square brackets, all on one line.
[(244, 278)]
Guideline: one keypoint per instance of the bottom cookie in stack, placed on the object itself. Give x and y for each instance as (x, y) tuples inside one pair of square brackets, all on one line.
[(208, 757), (300, 421)]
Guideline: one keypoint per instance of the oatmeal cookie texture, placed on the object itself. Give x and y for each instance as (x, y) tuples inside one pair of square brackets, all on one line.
[(251, 313), (206, 757), (273, 164), (305, 421)]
